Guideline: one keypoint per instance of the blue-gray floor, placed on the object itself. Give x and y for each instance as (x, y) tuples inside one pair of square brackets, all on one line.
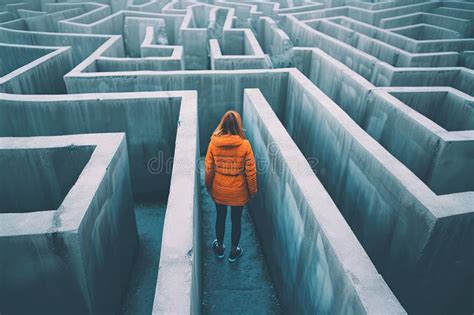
[(244, 287), (141, 289)]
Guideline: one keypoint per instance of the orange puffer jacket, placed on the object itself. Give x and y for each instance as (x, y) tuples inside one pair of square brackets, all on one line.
[(230, 170)]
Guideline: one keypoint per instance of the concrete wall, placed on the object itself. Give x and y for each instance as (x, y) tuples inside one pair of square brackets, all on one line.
[(415, 123), (195, 44), (317, 263), (395, 216), (110, 64), (274, 42), (178, 288), (135, 30), (16, 56), (149, 119), (50, 22), (108, 236), (148, 6), (30, 78), (408, 193), (77, 24), (413, 45), (85, 247), (468, 59), (450, 110), (43, 176), (326, 32), (461, 26), (426, 32), (35, 4), (81, 46), (370, 67), (453, 171), (22, 13), (6, 16), (461, 79), (100, 22), (303, 35), (413, 131), (213, 103), (152, 46), (233, 62)]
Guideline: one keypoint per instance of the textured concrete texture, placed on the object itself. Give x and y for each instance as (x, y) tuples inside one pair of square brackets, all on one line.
[(317, 262), (377, 96), (241, 287), (150, 144), (139, 296), (179, 284), (427, 126), (75, 258), (407, 230), (45, 175), (212, 102)]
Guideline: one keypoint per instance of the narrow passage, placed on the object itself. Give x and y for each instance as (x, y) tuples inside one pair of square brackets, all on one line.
[(141, 289), (243, 287)]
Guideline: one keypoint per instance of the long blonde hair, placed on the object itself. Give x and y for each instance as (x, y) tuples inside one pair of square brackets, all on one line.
[(231, 123)]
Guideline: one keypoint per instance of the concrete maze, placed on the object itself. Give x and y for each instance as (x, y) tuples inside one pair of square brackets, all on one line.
[(360, 115)]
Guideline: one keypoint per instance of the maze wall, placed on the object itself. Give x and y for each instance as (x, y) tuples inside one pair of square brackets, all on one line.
[(361, 113)]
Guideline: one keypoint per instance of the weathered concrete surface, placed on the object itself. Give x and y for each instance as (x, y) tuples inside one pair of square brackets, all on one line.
[(48, 22), (384, 72), (233, 62), (103, 23), (75, 259), (194, 37), (22, 75), (274, 42), (135, 30), (155, 44), (139, 296), (409, 232), (16, 56), (213, 103), (407, 195), (242, 287), (234, 48), (108, 64), (178, 288), (81, 45), (416, 128), (43, 176), (316, 260), (411, 125), (149, 120)]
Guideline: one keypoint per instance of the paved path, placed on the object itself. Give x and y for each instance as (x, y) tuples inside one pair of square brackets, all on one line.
[(244, 287)]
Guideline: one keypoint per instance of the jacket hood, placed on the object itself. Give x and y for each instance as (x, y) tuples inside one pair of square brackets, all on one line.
[(226, 140)]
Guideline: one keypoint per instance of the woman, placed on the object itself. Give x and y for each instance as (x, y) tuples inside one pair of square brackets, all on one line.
[(231, 178)]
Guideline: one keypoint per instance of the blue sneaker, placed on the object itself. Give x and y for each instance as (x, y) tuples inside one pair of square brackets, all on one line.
[(218, 250), (235, 254)]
